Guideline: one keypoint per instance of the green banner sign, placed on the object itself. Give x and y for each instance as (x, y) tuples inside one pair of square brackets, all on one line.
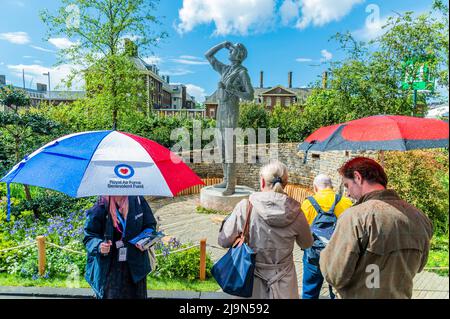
[(417, 75)]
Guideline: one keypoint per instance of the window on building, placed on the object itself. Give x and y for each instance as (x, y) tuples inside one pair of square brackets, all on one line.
[(268, 101), (212, 113), (287, 102), (278, 100)]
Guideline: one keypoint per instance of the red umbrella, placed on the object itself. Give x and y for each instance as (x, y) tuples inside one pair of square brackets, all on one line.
[(380, 132)]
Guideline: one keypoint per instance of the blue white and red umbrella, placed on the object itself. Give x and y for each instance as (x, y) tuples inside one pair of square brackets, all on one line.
[(104, 163)]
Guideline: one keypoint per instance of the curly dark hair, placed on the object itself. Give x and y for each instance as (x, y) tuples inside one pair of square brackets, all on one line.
[(369, 169)]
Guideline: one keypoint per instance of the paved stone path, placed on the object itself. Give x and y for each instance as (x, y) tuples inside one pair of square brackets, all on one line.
[(177, 217)]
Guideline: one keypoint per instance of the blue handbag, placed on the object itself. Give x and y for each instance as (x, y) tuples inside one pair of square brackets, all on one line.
[(234, 272)]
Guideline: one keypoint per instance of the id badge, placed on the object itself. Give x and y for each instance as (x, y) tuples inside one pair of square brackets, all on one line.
[(123, 254), (119, 244)]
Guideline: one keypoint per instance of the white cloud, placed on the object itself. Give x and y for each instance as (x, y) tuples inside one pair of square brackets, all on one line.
[(289, 11), (229, 17), (326, 56), (61, 43), (34, 73), (190, 57), (153, 60), (131, 37), (370, 31), (190, 60), (196, 91), (15, 37), (27, 56), (321, 12), (41, 49), (303, 60), (176, 72)]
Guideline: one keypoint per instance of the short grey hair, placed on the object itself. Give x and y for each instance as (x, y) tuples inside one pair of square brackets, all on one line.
[(323, 181)]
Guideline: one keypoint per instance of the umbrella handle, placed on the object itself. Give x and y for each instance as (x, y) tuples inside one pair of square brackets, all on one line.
[(8, 196)]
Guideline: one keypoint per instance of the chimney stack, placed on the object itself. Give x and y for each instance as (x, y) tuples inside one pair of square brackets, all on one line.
[(290, 80), (324, 79), (261, 80), (168, 79), (2, 79)]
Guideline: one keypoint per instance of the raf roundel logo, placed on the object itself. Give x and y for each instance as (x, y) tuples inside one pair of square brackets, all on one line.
[(124, 171)]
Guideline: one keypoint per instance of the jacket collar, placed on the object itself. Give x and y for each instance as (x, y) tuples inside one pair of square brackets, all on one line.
[(383, 195)]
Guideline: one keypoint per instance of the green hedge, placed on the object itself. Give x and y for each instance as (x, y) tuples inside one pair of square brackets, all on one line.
[(421, 178)]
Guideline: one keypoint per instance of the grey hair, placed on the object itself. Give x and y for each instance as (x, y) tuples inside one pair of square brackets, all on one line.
[(272, 172), (322, 181)]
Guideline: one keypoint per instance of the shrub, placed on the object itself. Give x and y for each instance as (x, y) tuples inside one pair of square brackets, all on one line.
[(421, 178), (49, 203), (288, 121), (66, 230), (59, 263), (180, 265), (253, 115)]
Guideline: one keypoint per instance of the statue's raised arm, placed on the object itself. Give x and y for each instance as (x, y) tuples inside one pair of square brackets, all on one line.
[(216, 64), (234, 85)]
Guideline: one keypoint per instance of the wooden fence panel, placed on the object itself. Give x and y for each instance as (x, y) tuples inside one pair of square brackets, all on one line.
[(196, 189), (297, 192)]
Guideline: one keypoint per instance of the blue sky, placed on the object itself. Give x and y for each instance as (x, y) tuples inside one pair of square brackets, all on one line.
[(280, 35)]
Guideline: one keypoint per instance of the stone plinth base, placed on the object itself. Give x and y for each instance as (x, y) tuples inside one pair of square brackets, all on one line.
[(212, 198)]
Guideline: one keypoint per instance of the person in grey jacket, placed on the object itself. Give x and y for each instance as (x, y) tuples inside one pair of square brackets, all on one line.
[(276, 224)]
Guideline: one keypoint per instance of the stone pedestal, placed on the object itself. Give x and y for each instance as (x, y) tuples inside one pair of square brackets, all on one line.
[(212, 198)]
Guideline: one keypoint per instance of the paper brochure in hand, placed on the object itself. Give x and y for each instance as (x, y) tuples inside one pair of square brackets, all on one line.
[(147, 238)]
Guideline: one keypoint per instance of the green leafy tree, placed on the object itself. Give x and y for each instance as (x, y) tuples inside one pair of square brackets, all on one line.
[(19, 128), (98, 29), (421, 178), (252, 115), (288, 122), (368, 81), (13, 98)]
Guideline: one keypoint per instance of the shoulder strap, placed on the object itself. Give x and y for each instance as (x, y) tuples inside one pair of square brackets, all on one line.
[(317, 207), (247, 222), (315, 204), (244, 236), (337, 199)]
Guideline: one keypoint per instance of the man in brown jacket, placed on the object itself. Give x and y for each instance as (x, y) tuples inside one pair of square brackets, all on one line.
[(380, 243)]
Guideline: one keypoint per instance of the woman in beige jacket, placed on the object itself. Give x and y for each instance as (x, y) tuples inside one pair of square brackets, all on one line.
[(276, 223)]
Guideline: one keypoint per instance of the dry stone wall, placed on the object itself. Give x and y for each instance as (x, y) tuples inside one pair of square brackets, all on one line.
[(255, 156)]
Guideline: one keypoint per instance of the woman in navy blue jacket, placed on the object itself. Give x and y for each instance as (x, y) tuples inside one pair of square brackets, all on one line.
[(115, 268)]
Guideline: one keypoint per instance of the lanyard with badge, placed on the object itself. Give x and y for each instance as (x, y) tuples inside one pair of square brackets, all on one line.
[(119, 243)]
